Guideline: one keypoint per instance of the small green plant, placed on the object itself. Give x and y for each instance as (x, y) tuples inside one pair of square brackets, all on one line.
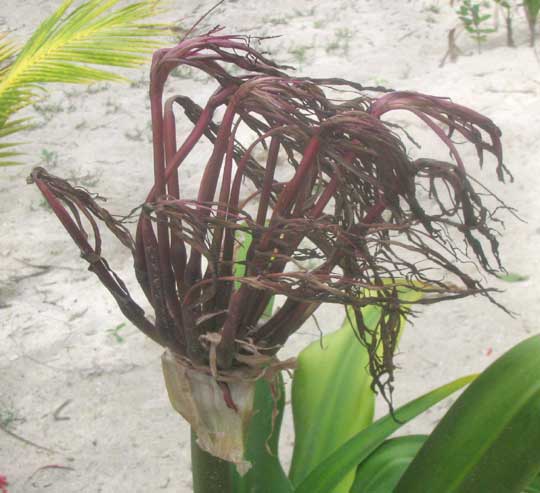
[(136, 134), (87, 180), (532, 9), (96, 88), (304, 12), (341, 42), (139, 83), (8, 417), (116, 332), (47, 110), (433, 9), (112, 107), (474, 19), (275, 21), (379, 81), (299, 53), (506, 8), (181, 73), (49, 158)]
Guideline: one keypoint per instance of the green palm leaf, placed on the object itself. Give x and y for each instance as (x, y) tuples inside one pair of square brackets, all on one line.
[(67, 47), (7, 148), (7, 51)]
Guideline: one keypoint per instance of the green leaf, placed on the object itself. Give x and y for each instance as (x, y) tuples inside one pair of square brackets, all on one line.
[(332, 398), (7, 151), (533, 8), (244, 240), (512, 277), (534, 486), (381, 471), (266, 474), (488, 440), (330, 472)]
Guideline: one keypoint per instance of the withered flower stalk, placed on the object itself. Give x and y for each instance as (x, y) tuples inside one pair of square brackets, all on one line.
[(310, 170)]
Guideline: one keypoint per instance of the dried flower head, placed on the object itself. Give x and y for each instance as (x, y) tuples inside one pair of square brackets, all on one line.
[(307, 171)]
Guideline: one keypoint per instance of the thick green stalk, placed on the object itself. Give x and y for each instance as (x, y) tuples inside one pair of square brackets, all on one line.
[(210, 474)]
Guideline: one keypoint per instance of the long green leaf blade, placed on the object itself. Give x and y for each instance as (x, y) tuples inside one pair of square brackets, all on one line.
[(489, 439), (330, 472), (382, 470), (332, 398)]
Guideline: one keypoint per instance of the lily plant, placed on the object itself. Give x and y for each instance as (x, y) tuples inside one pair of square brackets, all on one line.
[(307, 196)]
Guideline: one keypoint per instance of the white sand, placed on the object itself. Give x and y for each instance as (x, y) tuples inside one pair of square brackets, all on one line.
[(56, 343)]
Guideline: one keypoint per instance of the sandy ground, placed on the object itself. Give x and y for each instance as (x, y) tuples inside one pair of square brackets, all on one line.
[(58, 344)]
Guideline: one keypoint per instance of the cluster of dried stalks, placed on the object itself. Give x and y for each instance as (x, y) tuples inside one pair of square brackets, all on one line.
[(336, 210)]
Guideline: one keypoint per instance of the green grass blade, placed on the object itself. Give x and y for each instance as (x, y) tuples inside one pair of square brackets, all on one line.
[(330, 472), (381, 471), (489, 439)]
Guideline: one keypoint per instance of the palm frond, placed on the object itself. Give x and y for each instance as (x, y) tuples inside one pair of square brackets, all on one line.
[(7, 148), (69, 45), (7, 51)]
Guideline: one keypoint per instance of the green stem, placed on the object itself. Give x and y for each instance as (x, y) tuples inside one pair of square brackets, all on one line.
[(210, 474)]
